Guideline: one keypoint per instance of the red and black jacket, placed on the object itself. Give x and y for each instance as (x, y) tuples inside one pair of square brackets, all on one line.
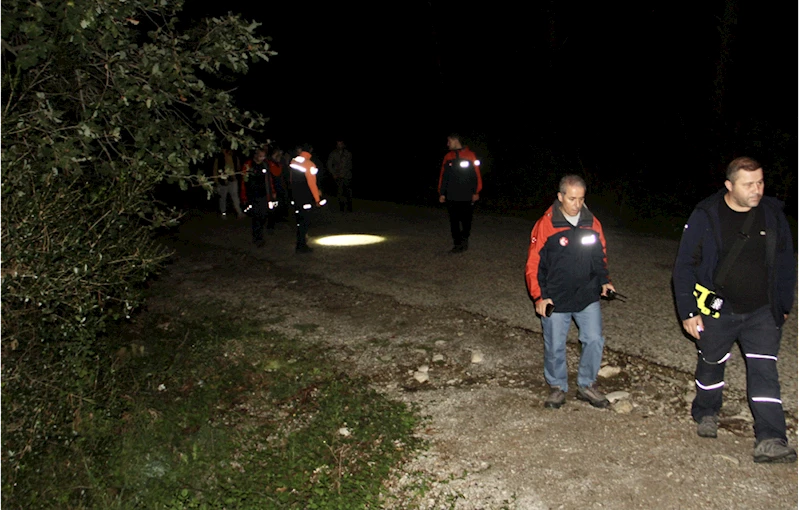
[(457, 183), (567, 264)]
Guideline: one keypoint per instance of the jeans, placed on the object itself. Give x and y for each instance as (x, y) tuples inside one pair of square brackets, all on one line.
[(759, 338), (556, 328)]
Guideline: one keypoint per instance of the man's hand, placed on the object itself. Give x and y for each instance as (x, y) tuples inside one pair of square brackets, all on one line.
[(475, 197), (541, 306), (442, 199), (606, 288), (694, 326)]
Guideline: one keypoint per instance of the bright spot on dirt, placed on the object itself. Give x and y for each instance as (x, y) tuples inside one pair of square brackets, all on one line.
[(349, 240)]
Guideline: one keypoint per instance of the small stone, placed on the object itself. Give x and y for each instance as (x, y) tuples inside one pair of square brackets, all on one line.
[(438, 357), (423, 368), (615, 396), (689, 397), (422, 377), (623, 407), (344, 431), (477, 357), (440, 343), (460, 333), (732, 460), (608, 371)]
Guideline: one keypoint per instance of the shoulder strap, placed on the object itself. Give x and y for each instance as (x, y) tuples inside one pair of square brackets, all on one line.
[(729, 260)]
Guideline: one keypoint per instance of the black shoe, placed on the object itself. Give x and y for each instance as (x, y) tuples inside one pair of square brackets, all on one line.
[(458, 248), (774, 450), (304, 248), (708, 426)]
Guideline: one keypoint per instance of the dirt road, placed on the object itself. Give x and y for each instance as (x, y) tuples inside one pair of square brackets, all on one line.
[(404, 307)]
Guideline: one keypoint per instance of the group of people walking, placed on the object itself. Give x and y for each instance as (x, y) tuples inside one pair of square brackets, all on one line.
[(733, 280), (271, 185)]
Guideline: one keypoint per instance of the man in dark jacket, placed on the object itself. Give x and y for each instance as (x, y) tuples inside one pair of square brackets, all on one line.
[(459, 185), (305, 195), (566, 273), (734, 280), (260, 193)]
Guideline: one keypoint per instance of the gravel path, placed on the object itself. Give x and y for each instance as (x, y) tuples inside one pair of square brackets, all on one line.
[(393, 308)]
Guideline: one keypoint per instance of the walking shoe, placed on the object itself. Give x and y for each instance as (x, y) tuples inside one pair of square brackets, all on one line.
[(458, 248), (707, 426), (555, 399), (774, 450), (593, 396), (303, 248)]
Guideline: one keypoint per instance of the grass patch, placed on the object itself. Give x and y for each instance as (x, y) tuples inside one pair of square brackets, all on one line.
[(306, 328), (211, 411)]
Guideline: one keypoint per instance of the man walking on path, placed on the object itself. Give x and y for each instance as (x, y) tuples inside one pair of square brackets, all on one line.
[(566, 274), (734, 279), (459, 185)]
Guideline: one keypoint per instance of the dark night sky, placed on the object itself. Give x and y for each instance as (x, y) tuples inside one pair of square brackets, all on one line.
[(613, 82)]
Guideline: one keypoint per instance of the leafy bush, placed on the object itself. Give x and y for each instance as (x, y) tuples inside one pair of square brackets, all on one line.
[(101, 102)]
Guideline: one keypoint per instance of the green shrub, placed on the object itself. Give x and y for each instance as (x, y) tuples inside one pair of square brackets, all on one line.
[(102, 101)]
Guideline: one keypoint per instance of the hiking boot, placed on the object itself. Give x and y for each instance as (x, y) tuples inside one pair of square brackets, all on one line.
[(707, 426), (593, 396), (555, 399), (774, 450)]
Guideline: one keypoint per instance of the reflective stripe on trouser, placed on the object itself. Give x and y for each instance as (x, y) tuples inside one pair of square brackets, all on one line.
[(760, 340)]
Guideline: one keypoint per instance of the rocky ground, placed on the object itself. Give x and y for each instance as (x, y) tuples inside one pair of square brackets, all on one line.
[(446, 333)]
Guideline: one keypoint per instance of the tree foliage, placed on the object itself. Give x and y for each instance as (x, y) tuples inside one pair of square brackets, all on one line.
[(102, 101)]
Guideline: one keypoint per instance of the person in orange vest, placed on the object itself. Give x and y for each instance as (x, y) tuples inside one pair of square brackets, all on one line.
[(305, 195)]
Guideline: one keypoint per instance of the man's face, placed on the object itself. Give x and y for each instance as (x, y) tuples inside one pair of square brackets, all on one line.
[(339, 145), (259, 156), (572, 200), (452, 143), (746, 190)]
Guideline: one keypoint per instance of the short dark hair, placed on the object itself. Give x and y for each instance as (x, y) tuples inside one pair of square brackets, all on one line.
[(570, 180), (455, 136), (742, 163)]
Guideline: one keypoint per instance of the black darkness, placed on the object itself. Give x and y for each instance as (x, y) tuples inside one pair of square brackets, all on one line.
[(615, 89)]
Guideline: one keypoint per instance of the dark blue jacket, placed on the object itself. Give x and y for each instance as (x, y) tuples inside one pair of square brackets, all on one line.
[(698, 256)]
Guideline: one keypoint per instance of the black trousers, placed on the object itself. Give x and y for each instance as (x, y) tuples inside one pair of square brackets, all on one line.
[(460, 220), (344, 194), (759, 338), (301, 216), (261, 215)]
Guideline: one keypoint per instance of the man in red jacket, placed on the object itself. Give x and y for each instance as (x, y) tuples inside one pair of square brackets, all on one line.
[(566, 274), (459, 185)]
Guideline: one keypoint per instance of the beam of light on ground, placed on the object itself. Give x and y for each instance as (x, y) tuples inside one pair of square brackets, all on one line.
[(349, 240)]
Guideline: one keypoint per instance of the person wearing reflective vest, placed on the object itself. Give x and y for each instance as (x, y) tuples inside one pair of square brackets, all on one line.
[(304, 196), (459, 185), (734, 279), (259, 193)]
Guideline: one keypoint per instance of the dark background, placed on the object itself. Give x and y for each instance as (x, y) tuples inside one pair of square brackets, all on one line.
[(647, 101)]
